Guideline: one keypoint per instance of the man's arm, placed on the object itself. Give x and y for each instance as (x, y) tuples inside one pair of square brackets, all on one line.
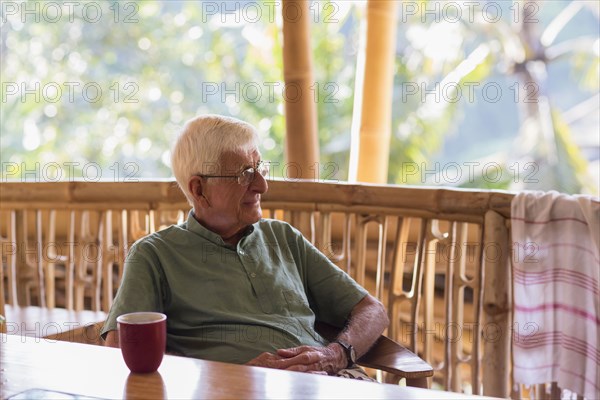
[(112, 339), (142, 288), (367, 322), (368, 319)]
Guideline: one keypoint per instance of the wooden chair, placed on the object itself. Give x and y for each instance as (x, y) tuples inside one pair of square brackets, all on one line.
[(389, 356)]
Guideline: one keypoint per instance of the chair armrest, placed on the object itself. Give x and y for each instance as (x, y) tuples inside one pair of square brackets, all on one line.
[(390, 356)]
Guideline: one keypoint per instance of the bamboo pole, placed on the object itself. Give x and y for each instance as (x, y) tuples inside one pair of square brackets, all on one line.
[(476, 283), (49, 257), (20, 243), (457, 305), (497, 307), (11, 270), (376, 104), (301, 143)]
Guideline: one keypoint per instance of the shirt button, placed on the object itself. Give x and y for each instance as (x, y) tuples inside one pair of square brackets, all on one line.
[(242, 252), (253, 275)]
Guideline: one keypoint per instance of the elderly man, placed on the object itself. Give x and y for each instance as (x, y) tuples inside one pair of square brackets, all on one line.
[(235, 287)]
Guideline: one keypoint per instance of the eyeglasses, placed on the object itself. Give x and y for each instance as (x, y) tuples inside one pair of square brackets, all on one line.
[(247, 176)]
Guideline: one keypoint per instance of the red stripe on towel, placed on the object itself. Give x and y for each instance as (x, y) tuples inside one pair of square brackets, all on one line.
[(556, 275), (558, 338), (528, 245), (559, 306), (529, 221)]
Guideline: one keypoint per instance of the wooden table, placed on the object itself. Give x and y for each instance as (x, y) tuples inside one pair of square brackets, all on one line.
[(96, 371)]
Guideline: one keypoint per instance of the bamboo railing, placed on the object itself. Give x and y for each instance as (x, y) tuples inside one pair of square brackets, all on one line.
[(437, 258)]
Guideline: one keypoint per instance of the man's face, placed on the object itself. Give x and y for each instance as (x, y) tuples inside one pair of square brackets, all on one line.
[(233, 206)]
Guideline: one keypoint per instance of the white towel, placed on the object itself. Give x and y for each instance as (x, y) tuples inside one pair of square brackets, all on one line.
[(556, 270)]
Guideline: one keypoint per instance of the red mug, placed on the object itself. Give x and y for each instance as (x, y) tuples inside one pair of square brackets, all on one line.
[(143, 340)]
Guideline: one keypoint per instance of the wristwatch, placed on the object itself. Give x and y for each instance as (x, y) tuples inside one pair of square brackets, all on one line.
[(349, 350)]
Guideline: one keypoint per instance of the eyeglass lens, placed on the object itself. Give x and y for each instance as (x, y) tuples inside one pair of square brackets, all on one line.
[(247, 176)]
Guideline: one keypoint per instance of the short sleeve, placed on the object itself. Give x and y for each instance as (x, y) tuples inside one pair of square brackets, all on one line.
[(331, 291), (141, 288)]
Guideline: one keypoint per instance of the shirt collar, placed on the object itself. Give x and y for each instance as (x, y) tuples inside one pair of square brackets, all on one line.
[(194, 226)]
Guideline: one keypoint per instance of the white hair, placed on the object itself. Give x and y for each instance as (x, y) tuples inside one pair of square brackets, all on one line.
[(203, 141)]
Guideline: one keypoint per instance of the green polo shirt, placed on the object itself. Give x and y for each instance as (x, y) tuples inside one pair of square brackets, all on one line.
[(231, 304)]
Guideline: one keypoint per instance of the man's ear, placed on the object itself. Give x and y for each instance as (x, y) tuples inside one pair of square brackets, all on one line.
[(195, 186)]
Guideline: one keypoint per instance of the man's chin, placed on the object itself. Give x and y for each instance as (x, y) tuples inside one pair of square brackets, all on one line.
[(253, 216)]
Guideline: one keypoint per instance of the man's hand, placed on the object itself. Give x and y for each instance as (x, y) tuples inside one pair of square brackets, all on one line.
[(328, 359), (267, 360), (112, 339), (367, 321), (319, 360)]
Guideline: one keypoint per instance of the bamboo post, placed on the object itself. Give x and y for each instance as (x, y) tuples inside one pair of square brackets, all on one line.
[(361, 250), (70, 266), (429, 245), (497, 307), (476, 284), (106, 260), (301, 144), (381, 251), (377, 88), (11, 270), (49, 256), (20, 237), (449, 305), (397, 275), (39, 261), (97, 263), (457, 304), (417, 289)]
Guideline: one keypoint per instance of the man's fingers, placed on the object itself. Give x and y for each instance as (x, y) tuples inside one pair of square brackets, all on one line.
[(302, 358), (293, 351), (301, 361), (265, 360), (288, 352), (285, 363)]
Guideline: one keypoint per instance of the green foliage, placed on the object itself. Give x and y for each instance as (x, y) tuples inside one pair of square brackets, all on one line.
[(571, 168), (159, 63)]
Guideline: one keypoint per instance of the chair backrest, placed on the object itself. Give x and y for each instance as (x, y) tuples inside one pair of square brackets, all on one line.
[(437, 258)]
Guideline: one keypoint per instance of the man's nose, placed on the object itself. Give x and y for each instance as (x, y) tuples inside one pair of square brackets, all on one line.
[(259, 184)]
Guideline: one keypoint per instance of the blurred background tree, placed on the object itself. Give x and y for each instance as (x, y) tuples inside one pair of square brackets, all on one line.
[(492, 92), (99, 90)]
